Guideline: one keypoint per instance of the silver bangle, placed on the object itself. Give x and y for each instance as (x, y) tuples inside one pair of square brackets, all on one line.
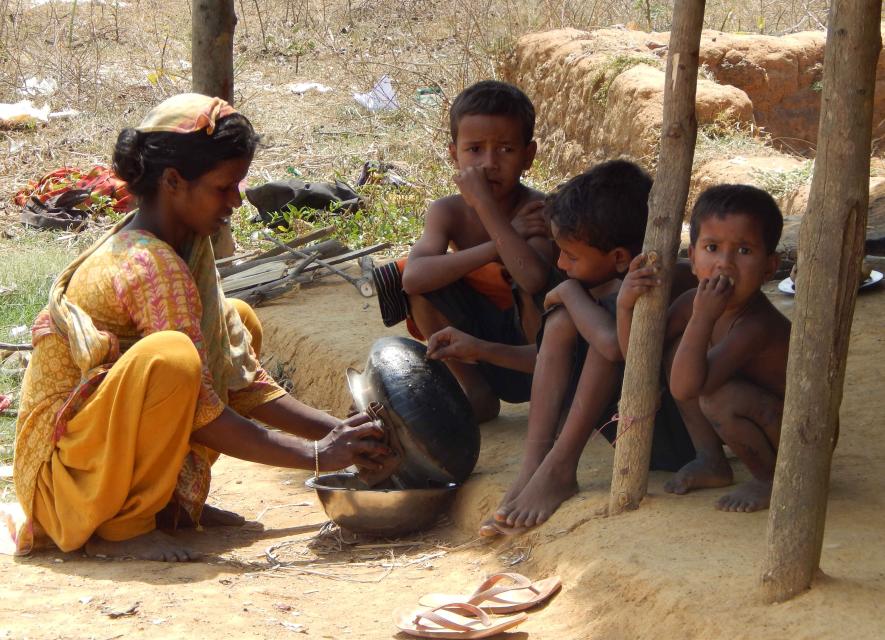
[(316, 458)]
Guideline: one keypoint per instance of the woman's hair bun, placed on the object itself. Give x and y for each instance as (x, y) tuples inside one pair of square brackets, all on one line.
[(128, 161)]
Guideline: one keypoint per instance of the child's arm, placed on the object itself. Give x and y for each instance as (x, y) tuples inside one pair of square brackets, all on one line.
[(641, 278), (698, 369), (527, 260), (593, 322), (429, 267), (452, 344)]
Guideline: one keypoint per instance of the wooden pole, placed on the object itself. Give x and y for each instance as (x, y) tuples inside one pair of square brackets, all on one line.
[(642, 377), (831, 243), (212, 71)]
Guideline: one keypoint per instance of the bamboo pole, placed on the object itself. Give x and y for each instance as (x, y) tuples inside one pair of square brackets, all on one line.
[(831, 243), (642, 376)]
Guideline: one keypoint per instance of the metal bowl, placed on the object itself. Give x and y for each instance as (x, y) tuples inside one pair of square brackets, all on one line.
[(352, 505)]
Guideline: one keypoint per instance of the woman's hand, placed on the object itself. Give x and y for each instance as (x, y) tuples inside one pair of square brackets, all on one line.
[(356, 440)]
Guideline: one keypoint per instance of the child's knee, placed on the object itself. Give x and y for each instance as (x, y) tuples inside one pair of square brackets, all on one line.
[(559, 327), (718, 407)]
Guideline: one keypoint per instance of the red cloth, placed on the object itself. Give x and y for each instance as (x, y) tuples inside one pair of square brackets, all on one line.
[(99, 179)]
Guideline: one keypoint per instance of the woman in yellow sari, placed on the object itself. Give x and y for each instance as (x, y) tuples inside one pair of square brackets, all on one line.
[(143, 372)]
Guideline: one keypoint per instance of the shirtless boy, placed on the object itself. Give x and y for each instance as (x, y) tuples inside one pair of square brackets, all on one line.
[(494, 221), (598, 220), (729, 368)]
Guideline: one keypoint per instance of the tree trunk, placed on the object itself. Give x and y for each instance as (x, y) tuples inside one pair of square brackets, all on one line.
[(831, 243), (642, 377), (212, 64), (212, 48)]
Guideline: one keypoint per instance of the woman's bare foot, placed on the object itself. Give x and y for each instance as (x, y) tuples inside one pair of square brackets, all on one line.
[(700, 473), (173, 517), (753, 495), (548, 488), (154, 545), (216, 517)]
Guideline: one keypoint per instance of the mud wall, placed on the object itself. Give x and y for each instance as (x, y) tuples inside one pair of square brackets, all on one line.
[(599, 94)]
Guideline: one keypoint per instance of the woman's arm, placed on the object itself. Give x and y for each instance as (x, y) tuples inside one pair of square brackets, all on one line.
[(234, 435)]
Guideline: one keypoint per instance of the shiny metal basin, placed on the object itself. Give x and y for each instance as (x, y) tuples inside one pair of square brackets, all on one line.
[(352, 505)]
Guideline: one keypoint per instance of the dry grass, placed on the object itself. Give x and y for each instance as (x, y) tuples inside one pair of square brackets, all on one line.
[(113, 60)]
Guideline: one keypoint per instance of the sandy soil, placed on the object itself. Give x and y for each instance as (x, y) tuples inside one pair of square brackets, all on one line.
[(675, 568)]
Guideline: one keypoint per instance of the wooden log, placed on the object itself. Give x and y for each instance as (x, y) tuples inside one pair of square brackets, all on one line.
[(642, 376), (831, 243)]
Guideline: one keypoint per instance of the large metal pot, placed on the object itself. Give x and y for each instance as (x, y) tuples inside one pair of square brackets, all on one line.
[(426, 409)]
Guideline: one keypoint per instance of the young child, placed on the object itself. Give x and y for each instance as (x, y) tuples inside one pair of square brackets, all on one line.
[(598, 220), (478, 243), (729, 368)]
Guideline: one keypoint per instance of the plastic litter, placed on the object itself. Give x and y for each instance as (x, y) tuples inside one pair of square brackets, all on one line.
[(39, 87), (382, 97), (22, 114), (304, 87)]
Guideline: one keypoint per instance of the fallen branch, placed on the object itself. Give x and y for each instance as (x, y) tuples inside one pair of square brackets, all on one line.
[(9, 346)]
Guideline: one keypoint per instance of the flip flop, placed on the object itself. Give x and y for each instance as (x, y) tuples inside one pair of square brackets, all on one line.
[(518, 595), (449, 621)]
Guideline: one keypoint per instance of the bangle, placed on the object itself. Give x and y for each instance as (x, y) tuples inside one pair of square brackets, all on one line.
[(316, 458)]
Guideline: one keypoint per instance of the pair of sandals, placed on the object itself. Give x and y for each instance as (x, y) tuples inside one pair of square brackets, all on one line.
[(481, 614)]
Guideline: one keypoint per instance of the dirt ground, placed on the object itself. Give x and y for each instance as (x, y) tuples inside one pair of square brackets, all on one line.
[(675, 568)]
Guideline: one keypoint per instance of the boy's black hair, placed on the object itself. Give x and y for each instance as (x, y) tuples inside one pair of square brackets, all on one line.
[(606, 206), (140, 158), (729, 199), (493, 98)]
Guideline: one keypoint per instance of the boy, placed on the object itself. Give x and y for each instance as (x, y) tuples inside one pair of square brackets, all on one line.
[(729, 369), (498, 239), (598, 220)]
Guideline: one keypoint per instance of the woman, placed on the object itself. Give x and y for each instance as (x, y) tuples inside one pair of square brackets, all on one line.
[(142, 372)]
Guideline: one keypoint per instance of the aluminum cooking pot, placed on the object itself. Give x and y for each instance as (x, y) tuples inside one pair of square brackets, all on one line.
[(426, 409)]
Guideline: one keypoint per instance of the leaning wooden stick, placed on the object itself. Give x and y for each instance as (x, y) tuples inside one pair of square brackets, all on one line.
[(831, 248), (642, 377)]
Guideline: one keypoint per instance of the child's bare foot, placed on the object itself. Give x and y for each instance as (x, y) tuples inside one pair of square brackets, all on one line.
[(753, 495), (548, 488), (700, 473), (154, 545), (491, 526)]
